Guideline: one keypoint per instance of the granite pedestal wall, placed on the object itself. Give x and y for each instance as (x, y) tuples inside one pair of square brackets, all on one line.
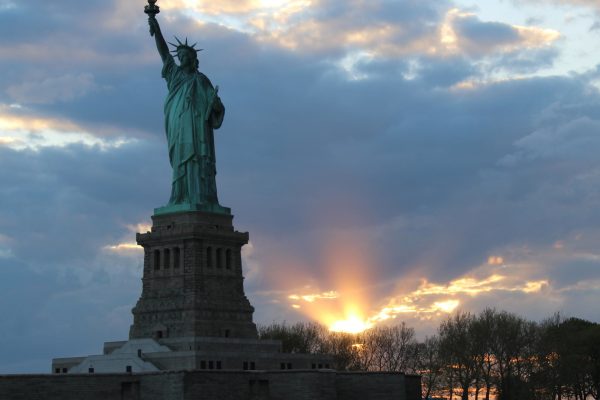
[(192, 284), (213, 385)]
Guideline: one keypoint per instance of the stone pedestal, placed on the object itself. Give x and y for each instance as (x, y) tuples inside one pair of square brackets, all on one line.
[(192, 282)]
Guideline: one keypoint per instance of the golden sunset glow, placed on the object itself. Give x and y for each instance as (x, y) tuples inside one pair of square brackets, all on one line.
[(495, 260), (535, 286), (7, 141), (272, 3), (465, 85), (528, 37), (312, 297), (17, 132), (241, 8), (14, 122), (448, 37), (124, 247), (350, 325), (446, 306), (536, 37), (142, 227), (343, 311)]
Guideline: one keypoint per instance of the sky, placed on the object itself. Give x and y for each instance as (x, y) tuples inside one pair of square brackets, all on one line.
[(392, 160)]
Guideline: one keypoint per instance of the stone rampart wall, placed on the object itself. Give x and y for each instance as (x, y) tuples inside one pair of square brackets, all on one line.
[(213, 385)]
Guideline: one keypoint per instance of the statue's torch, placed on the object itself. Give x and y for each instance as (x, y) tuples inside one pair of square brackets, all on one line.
[(151, 9)]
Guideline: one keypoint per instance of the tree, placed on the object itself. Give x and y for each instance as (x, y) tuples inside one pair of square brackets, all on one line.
[(345, 350), (456, 348), (591, 339), (429, 365), (546, 377), (483, 332), (301, 337), (387, 348), (512, 345)]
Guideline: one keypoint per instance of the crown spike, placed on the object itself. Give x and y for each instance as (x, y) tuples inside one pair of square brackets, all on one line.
[(178, 41)]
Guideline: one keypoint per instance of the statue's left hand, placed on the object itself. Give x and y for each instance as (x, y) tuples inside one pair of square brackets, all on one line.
[(153, 25), (214, 97), (217, 106)]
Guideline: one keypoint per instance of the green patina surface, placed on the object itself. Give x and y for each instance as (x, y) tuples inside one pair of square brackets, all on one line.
[(193, 110)]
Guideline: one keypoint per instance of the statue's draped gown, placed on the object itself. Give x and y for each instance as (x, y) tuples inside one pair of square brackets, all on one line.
[(192, 111)]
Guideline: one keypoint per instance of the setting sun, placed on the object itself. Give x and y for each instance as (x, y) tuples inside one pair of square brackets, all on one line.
[(350, 325)]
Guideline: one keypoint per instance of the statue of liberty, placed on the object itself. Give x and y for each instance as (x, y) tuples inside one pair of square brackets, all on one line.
[(193, 110)]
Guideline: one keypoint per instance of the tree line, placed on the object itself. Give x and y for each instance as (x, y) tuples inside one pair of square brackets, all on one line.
[(490, 355)]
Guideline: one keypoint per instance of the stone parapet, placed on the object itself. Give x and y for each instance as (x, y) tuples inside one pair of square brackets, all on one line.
[(213, 385)]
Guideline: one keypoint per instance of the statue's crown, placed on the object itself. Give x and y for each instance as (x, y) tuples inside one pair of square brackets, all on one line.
[(184, 46)]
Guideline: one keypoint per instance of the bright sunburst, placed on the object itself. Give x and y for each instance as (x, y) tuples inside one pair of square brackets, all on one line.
[(350, 325)]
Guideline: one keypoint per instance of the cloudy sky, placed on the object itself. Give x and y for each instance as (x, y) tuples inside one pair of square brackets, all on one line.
[(393, 160)]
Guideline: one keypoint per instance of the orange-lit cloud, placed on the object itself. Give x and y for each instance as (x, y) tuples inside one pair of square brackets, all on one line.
[(126, 246), (11, 142), (312, 297), (495, 260), (427, 301), (20, 130), (297, 25), (532, 36), (11, 121), (236, 7), (389, 40), (141, 227), (350, 325), (451, 41), (123, 248)]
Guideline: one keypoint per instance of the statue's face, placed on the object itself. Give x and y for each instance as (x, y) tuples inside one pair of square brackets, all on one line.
[(187, 58)]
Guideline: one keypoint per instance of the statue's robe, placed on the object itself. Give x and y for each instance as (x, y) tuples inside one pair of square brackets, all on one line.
[(192, 111)]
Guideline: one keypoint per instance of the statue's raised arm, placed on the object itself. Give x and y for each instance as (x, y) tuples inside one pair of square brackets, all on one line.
[(161, 44)]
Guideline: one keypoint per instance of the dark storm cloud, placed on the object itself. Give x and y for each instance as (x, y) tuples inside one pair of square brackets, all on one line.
[(61, 207), (421, 152), (57, 313), (446, 72), (415, 17), (63, 204)]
